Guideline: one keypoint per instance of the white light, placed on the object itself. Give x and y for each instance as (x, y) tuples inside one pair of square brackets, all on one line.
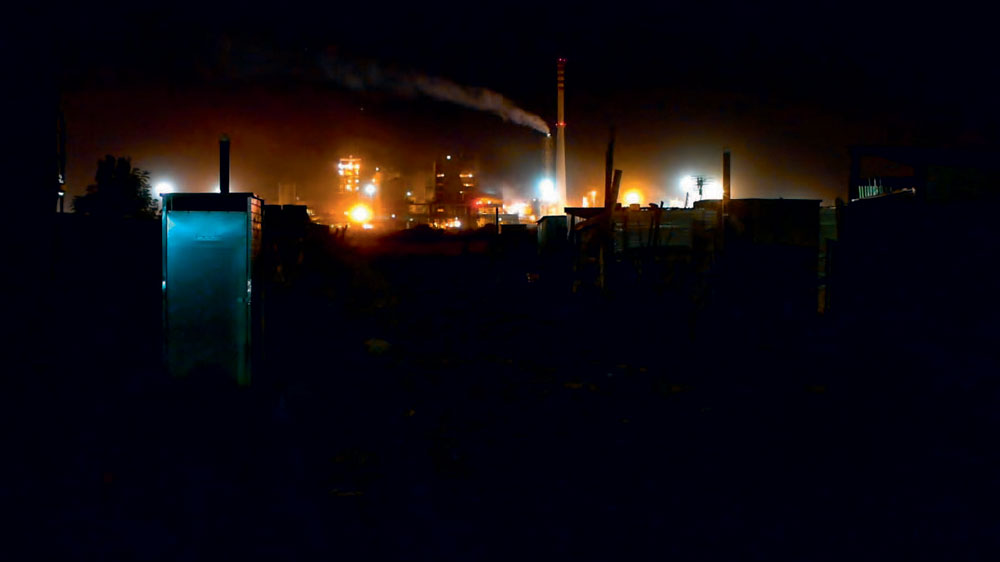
[(409, 193), (633, 197), (367, 226), (370, 189), (448, 157), (713, 190), (163, 187), (394, 215), (517, 208), (547, 189)]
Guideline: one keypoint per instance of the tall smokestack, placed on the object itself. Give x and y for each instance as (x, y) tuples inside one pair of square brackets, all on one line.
[(725, 176), (224, 164), (561, 135)]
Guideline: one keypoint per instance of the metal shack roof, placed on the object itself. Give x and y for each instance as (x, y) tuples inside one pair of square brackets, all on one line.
[(211, 201)]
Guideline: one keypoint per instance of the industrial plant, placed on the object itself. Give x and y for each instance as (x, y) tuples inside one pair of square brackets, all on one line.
[(372, 299)]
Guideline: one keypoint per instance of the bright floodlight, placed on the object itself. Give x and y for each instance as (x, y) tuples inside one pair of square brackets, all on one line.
[(370, 189), (360, 213), (713, 190), (548, 190), (163, 188), (448, 157), (688, 183), (633, 197)]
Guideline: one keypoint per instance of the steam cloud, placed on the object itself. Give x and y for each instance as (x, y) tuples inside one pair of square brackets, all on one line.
[(371, 76)]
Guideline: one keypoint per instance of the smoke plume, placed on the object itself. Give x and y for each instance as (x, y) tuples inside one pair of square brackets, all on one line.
[(369, 76)]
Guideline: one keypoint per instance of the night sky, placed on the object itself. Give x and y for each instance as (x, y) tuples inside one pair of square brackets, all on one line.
[(786, 88)]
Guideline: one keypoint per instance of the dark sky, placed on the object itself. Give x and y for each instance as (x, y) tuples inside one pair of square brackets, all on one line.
[(786, 88)]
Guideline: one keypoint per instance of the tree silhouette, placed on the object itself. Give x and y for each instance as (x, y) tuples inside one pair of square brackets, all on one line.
[(119, 191)]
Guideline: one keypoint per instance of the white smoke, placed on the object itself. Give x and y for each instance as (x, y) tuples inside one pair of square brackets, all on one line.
[(371, 76)]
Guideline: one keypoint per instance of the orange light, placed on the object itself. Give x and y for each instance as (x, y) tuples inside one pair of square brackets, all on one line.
[(360, 213)]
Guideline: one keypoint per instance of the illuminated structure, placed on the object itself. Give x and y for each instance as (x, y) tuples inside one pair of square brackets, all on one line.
[(454, 180), (349, 171), (455, 190)]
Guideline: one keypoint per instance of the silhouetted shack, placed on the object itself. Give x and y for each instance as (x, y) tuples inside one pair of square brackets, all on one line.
[(551, 233), (635, 246), (285, 228), (934, 174), (210, 244), (636, 227), (908, 262), (879, 257), (641, 228), (912, 269), (771, 255)]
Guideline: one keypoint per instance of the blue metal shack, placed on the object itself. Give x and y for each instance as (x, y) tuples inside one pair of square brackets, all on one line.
[(210, 244)]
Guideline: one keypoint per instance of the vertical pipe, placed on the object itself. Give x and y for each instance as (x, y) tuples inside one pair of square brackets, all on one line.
[(561, 135), (615, 186), (725, 176), (609, 161), (224, 164), (726, 194)]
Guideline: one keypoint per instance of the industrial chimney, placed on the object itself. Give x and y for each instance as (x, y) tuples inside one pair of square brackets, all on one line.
[(224, 164), (561, 136)]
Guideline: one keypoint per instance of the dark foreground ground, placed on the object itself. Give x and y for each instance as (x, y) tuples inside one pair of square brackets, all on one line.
[(441, 407)]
